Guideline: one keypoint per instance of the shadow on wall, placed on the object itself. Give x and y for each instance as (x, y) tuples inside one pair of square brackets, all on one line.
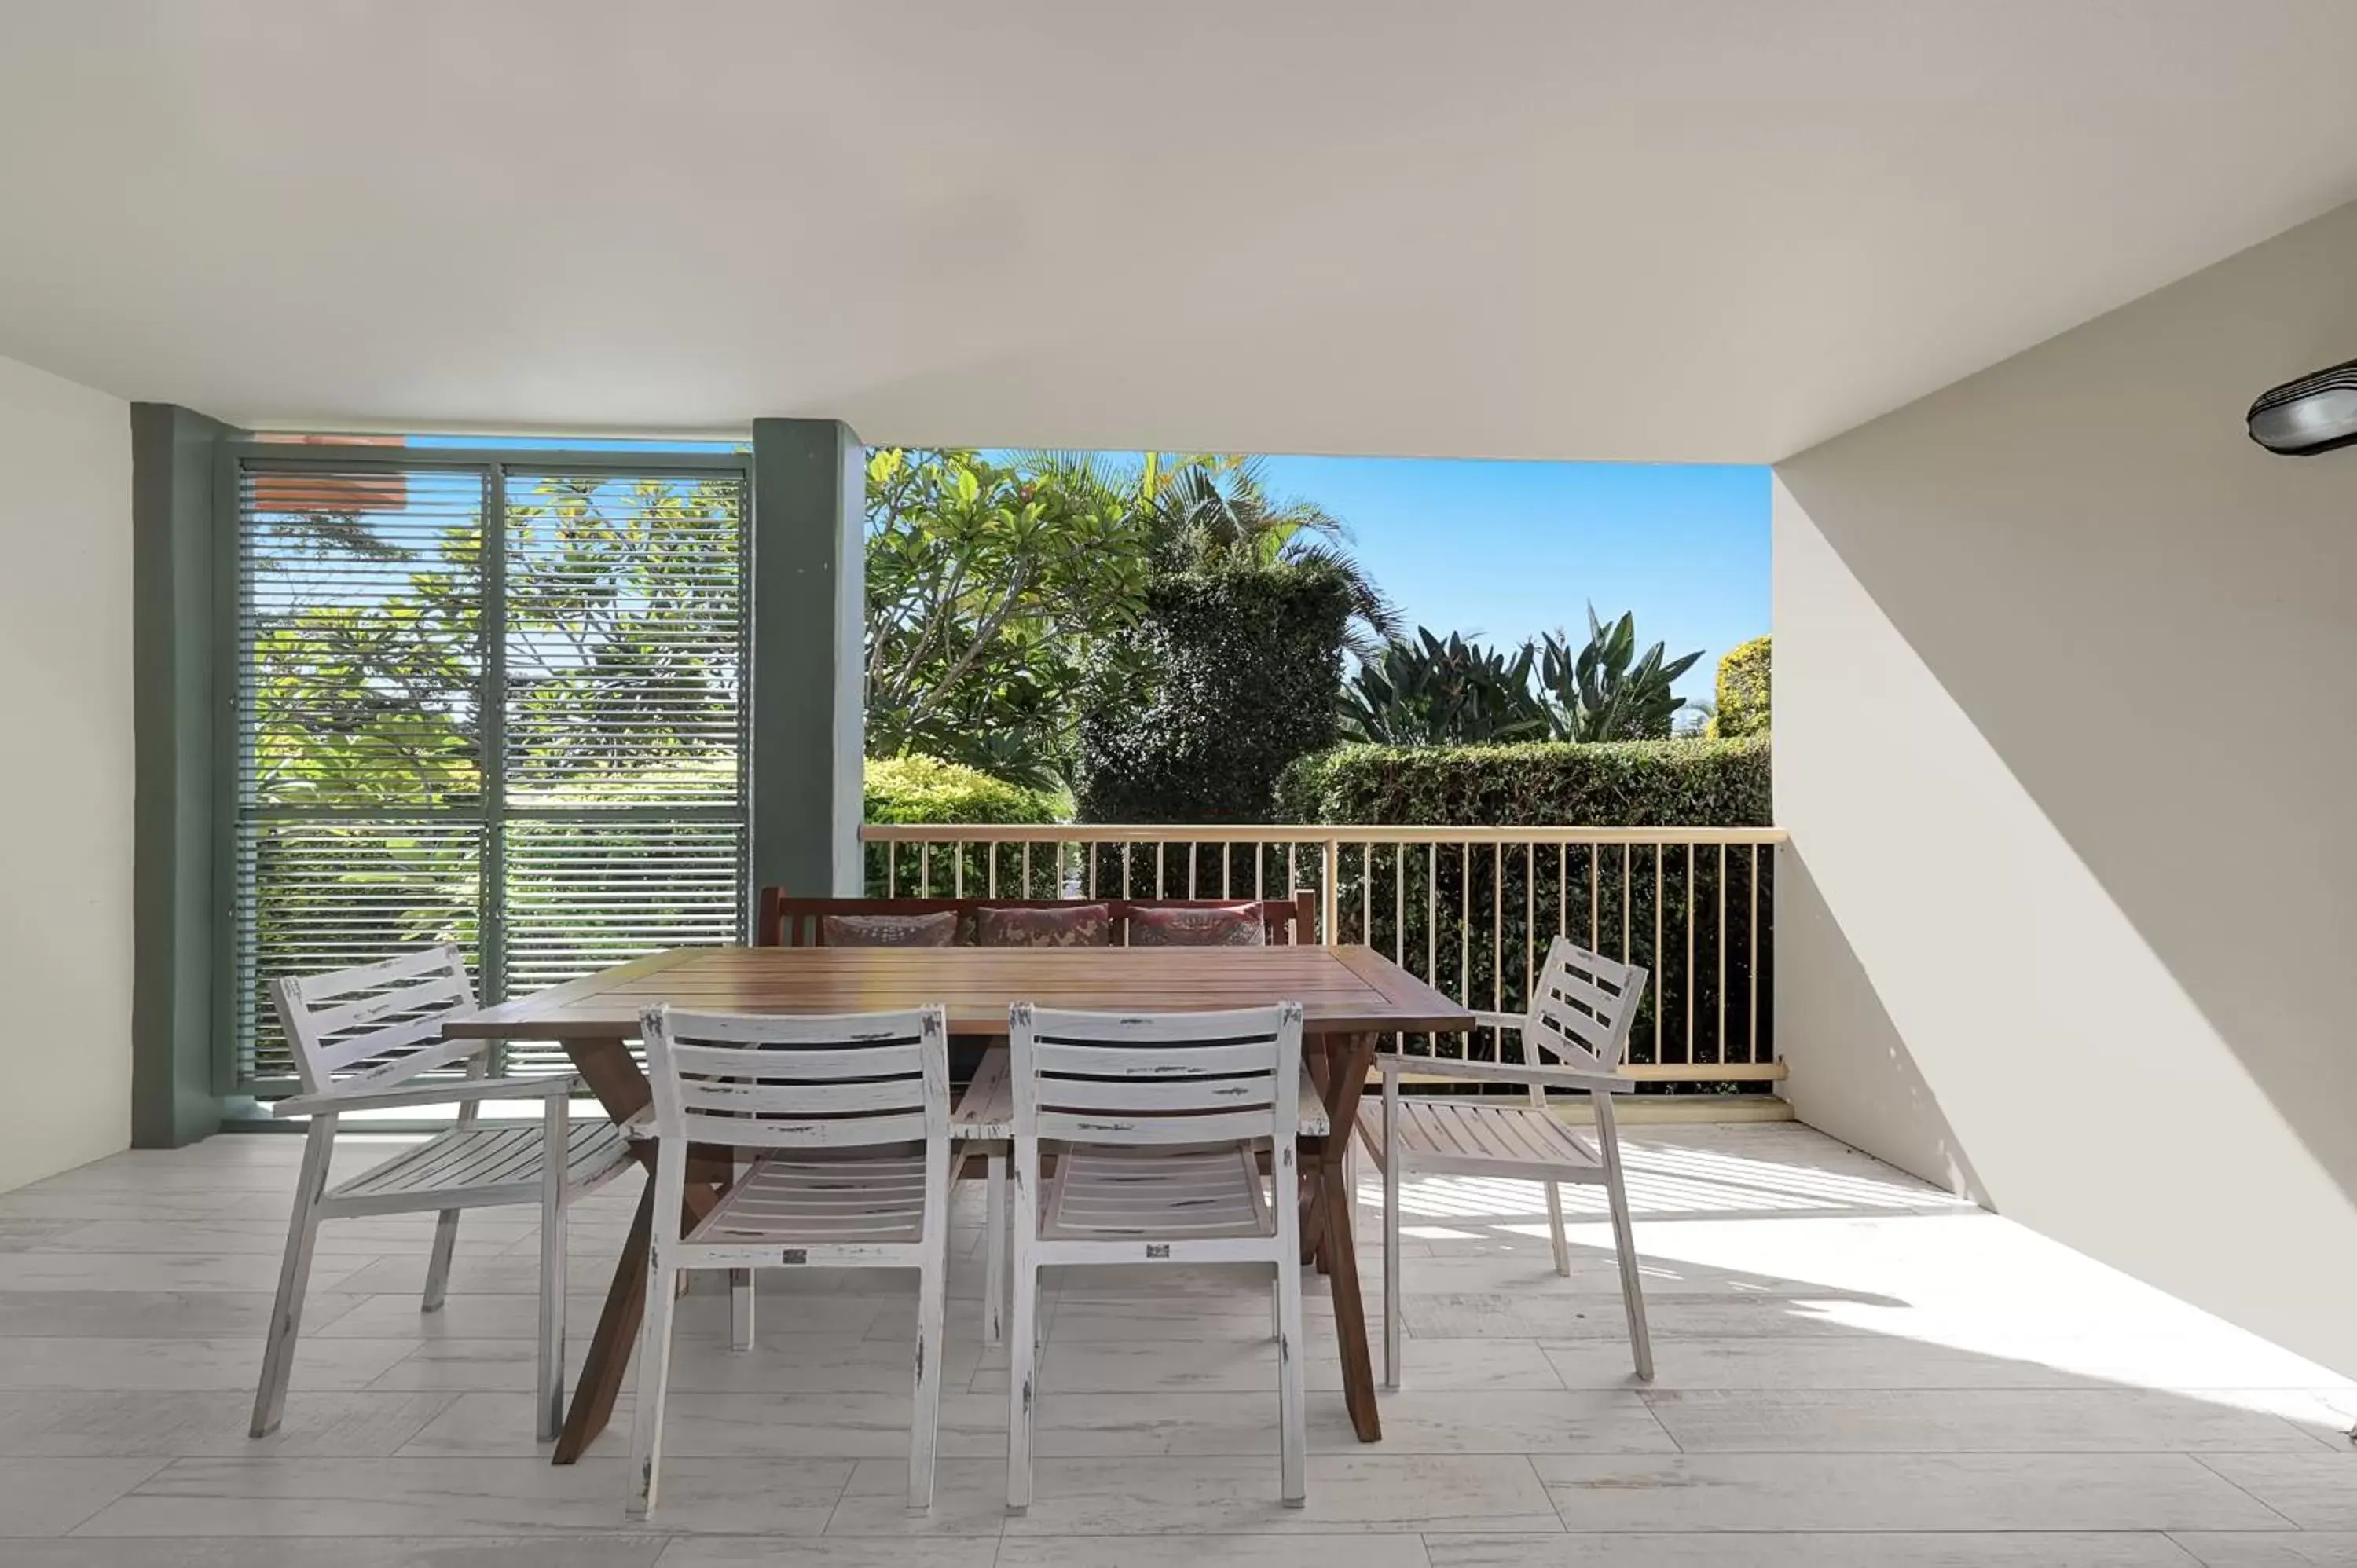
[(1873, 1081), (2122, 749)]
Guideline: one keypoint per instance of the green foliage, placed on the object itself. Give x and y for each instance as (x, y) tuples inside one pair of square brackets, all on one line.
[(1430, 692), (918, 789), (1664, 783), (1743, 690), (1605, 691), (987, 585), (1229, 675)]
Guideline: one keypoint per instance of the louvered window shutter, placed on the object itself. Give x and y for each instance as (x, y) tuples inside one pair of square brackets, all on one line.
[(496, 705)]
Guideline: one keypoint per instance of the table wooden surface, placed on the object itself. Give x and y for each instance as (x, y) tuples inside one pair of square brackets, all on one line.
[(1342, 989), (1348, 996)]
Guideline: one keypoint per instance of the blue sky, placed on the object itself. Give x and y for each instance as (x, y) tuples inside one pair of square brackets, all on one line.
[(1512, 550)]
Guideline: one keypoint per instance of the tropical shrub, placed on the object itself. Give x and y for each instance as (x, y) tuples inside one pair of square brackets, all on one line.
[(1228, 676), (1743, 690), (1605, 691), (1430, 692)]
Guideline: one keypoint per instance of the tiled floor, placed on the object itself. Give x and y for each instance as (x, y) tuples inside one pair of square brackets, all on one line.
[(1854, 1370)]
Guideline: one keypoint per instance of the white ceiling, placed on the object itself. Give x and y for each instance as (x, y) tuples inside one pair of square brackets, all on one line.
[(1715, 229)]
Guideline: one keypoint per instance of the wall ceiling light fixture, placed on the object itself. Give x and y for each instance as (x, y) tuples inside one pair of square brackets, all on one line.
[(2313, 415)]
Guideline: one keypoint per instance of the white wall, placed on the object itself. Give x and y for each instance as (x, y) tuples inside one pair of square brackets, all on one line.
[(65, 775), (2067, 745)]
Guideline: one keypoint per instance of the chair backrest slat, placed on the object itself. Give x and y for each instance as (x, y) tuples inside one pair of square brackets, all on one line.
[(767, 1081), (377, 1025), (1583, 1007), (1172, 1078)]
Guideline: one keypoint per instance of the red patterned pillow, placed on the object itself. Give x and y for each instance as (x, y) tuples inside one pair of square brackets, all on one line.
[(934, 931), (1238, 927), (1068, 926)]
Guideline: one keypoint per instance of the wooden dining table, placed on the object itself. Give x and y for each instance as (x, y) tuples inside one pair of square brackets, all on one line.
[(1348, 995)]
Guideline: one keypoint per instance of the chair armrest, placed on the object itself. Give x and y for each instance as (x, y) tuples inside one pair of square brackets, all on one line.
[(1446, 1067), (456, 1091), (1499, 1020)]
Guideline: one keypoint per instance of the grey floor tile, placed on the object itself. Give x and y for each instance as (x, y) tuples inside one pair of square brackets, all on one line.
[(1897, 1492), (155, 1314), (1949, 1549), (67, 1423), (50, 1497), (2029, 1421), (1346, 1492), (619, 1550), (2315, 1491), (1290, 1551), (298, 1497), (756, 1552), (2306, 1549), (28, 1361)]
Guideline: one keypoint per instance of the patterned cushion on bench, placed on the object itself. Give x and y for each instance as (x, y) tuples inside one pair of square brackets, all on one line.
[(1076, 926), (935, 930), (1237, 928)]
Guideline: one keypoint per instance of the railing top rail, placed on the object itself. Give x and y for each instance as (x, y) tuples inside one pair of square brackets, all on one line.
[(1297, 832)]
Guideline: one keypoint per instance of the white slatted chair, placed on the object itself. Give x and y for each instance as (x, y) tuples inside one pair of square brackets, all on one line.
[(362, 1039), (1581, 1014), (1157, 1121), (847, 1120)]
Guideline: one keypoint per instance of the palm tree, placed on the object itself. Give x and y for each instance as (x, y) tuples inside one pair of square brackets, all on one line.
[(1209, 509)]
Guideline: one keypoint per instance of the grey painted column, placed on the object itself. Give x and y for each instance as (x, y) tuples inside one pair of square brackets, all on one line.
[(809, 610), (178, 602)]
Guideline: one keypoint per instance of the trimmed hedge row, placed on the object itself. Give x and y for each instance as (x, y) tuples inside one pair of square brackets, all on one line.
[(1743, 690), (1630, 783)]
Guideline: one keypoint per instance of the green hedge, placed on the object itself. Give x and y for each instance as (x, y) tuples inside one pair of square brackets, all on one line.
[(1228, 677), (1743, 690), (1630, 783), (916, 788)]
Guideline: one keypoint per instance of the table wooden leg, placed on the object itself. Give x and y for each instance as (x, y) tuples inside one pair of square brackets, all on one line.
[(609, 1348), (625, 1305), (1345, 1080)]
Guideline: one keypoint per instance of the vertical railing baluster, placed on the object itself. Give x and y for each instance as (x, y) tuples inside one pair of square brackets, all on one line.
[(1432, 914), (1329, 893), (1719, 1030), (1464, 926), (1628, 902), (1690, 952), (1658, 966), (1530, 925), (1367, 893), (1498, 925), (1751, 1043), (925, 869)]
